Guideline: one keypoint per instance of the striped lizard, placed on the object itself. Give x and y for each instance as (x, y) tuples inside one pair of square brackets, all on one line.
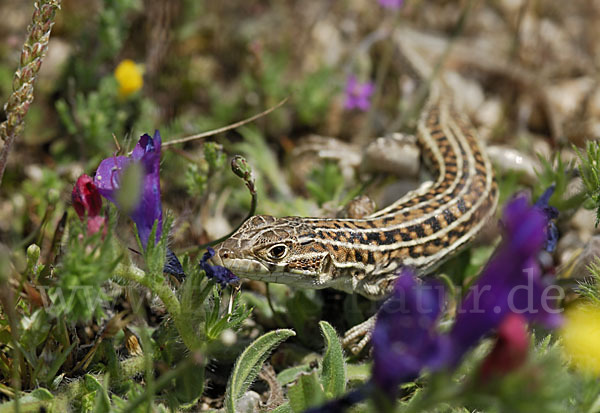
[(421, 229)]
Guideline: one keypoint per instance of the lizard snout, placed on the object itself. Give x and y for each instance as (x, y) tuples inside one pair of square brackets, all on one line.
[(222, 254)]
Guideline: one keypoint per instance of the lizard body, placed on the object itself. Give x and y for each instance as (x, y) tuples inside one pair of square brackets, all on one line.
[(422, 229)]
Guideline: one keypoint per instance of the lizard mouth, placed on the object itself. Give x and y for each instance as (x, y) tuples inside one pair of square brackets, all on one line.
[(247, 268), (240, 266)]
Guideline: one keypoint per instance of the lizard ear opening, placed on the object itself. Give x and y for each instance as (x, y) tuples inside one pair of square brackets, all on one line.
[(326, 265)]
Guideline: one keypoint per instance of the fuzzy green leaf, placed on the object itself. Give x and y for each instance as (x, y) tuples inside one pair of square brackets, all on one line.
[(590, 288), (284, 408), (307, 392), (189, 385), (249, 363), (101, 399), (333, 374), (42, 394), (358, 372), (291, 374)]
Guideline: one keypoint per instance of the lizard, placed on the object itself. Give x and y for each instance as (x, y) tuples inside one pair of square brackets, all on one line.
[(421, 230)]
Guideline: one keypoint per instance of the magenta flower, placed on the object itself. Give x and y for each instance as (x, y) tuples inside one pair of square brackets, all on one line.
[(510, 350), (85, 197), (358, 95), (87, 202), (149, 208), (391, 4)]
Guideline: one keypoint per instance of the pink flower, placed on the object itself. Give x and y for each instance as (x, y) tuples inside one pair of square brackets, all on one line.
[(358, 95), (86, 197), (510, 350), (87, 202), (391, 4)]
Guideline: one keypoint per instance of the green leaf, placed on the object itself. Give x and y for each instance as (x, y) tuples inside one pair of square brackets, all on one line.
[(189, 385), (35, 329), (291, 374), (249, 363), (307, 392), (590, 288), (213, 153), (326, 182), (101, 399), (42, 394), (358, 372), (304, 310), (284, 408), (589, 168), (313, 95), (58, 362), (333, 374), (65, 116)]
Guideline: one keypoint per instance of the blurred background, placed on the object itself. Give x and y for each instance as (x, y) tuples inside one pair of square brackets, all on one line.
[(524, 71)]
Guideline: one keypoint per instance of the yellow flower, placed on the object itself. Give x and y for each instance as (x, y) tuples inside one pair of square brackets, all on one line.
[(581, 335), (129, 76)]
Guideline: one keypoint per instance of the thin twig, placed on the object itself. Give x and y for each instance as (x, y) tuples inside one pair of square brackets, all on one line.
[(241, 168), (225, 128)]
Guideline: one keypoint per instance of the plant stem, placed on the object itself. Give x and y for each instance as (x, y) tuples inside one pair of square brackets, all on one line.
[(33, 52), (163, 381), (168, 298)]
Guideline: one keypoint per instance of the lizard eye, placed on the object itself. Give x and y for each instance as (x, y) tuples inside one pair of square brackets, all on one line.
[(278, 251)]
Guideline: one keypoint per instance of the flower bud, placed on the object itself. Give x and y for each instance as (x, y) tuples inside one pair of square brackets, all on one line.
[(240, 167), (53, 196), (511, 348), (25, 55), (33, 255), (86, 197)]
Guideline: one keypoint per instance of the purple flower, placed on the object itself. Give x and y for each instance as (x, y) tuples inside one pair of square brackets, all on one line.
[(149, 208), (391, 4), (405, 339), (551, 214), (510, 282), (218, 274), (509, 292), (173, 266), (358, 94)]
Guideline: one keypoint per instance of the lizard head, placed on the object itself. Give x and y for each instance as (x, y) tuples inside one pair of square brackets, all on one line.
[(279, 250)]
